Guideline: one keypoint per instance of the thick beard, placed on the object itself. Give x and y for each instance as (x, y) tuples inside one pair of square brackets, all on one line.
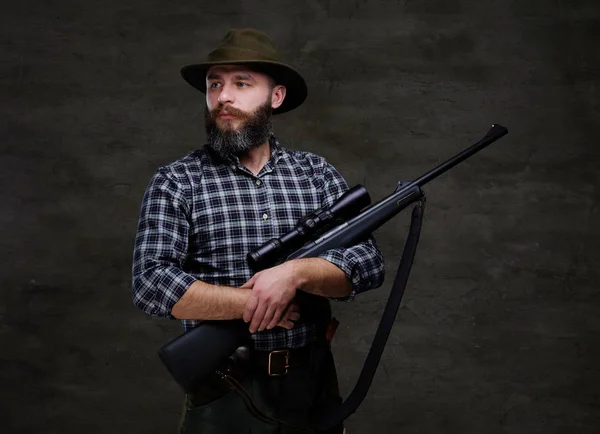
[(254, 130)]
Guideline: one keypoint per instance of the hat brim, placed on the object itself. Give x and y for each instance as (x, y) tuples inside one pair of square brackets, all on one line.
[(296, 90)]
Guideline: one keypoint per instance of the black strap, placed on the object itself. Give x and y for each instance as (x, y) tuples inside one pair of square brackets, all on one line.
[(365, 379)]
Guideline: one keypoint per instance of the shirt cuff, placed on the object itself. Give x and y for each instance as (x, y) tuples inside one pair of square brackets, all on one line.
[(173, 284), (344, 259)]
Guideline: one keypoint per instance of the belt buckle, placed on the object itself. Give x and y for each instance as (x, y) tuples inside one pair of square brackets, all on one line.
[(286, 365)]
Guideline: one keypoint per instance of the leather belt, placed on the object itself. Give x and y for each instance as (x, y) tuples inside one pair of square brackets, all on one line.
[(276, 363)]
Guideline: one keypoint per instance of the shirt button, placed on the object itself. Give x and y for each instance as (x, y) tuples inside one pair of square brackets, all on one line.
[(258, 182), (265, 216)]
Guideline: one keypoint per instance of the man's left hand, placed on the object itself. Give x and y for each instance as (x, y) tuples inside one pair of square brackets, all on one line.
[(273, 290)]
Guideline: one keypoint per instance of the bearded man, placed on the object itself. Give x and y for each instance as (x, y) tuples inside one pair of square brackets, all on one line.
[(203, 213)]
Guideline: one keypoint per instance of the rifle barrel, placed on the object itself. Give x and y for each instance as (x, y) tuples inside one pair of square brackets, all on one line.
[(492, 135), (376, 215)]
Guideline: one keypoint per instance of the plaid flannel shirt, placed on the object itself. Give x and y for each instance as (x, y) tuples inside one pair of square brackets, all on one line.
[(201, 215)]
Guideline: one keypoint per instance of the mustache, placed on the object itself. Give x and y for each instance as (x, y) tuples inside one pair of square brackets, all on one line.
[(229, 110)]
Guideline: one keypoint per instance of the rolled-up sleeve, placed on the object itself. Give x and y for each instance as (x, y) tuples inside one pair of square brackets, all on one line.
[(161, 247), (362, 263)]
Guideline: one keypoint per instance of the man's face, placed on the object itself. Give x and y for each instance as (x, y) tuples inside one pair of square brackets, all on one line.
[(238, 108)]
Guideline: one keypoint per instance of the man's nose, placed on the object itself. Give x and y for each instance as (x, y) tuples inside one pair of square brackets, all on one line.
[(226, 95)]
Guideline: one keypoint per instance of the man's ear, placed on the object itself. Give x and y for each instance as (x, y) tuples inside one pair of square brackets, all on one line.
[(277, 96)]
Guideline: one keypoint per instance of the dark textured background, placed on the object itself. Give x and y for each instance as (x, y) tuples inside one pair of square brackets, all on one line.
[(499, 329)]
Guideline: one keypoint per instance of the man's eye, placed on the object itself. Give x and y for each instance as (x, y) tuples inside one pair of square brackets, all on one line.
[(240, 84), (214, 85)]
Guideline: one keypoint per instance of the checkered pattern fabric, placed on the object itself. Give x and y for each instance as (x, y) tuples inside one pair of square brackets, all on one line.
[(202, 214)]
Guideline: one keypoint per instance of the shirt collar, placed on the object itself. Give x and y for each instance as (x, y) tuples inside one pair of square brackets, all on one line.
[(276, 153)]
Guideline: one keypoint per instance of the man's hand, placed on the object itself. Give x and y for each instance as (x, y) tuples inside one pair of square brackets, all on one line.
[(272, 292)]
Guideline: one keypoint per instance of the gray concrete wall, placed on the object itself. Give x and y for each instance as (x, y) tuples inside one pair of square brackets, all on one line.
[(499, 327)]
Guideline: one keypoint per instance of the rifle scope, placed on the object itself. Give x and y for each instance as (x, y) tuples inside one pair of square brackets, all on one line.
[(347, 206)]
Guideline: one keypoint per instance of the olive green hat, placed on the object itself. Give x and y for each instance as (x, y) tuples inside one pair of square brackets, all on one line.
[(255, 49)]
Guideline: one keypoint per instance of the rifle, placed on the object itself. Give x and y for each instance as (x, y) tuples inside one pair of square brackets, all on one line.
[(196, 353)]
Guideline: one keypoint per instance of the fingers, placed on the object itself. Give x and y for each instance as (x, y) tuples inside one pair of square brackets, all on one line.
[(258, 316), (293, 316), (286, 324), (272, 317), (288, 318), (250, 309), (291, 313), (279, 313), (268, 317)]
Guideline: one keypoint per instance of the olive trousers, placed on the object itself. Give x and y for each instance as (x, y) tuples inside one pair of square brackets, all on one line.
[(304, 394)]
